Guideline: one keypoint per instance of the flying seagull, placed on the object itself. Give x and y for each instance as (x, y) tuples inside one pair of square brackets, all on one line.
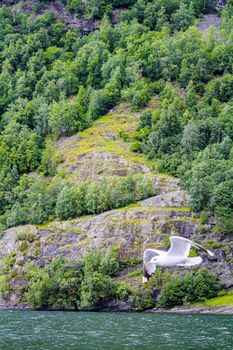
[(177, 255)]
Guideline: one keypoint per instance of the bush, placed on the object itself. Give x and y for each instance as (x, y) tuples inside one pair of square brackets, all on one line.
[(70, 202), (136, 147), (83, 285), (144, 188), (5, 287), (110, 264), (25, 236), (106, 264), (191, 288), (40, 288), (64, 118), (138, 94), (220, 88), (96, 288), (23, 247)]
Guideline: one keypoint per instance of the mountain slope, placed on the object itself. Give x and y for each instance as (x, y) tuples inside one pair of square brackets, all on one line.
[(97, 153)]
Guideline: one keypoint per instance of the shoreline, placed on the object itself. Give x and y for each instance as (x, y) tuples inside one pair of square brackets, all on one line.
[(221, 310)]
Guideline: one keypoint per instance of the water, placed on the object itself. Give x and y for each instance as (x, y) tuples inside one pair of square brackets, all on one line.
[(114, 331)]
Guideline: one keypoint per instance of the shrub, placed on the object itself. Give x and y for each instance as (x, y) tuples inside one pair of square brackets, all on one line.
[(136, 147), (64, 118), (144, 188), (191, 288), (110, 263), (40, 288), (23, 247), (138, 94), (220, 88), (5, 288), (70, 202), (25, 236), (96, 288), (81, 285)]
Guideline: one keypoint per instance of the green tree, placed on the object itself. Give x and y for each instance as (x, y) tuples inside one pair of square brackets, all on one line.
[(190, 141), (70, 202), (191, 288)]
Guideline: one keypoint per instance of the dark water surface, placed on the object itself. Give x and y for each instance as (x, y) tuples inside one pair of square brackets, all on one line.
[(70, 330)]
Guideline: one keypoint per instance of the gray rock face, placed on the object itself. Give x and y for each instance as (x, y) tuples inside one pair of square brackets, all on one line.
[(58, 8), (177, 198), (97, 153), (131, 229), (209, 20), (148, 223)]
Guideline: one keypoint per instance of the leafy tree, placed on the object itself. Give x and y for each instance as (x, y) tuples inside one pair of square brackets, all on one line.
[(183, 17), (64, 118), (191, 288), (222, 203), (95, 289), (75, 5), (138, 94), (191, 138), (40, 288), (70, 202)]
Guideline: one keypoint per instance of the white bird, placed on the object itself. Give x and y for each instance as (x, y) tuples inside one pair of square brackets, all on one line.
[(177, 255)]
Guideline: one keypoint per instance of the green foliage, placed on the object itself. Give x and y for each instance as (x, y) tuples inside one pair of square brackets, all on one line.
[(64, 118), (55, 81), (48, 161), (23, 247), (96, 289), (52, 53), (25, 236), (107, 264), (40, 288), (96, 198), (138, 94), (189, 289), (75, 6), (70, 202), (84, 285), (5, 289), (144, 188), (38, 200), (136, 147), (141, 301), (183, 17), (35, 203), (220, 88)]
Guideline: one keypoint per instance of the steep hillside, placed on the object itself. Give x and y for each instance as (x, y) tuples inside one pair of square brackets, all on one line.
[(100, 152), (111, 141), (59, 10)]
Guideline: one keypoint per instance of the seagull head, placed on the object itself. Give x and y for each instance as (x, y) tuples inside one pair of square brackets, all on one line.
[(155, 259)]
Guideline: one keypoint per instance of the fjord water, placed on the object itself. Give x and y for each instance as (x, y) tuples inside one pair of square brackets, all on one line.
[(84, 331)]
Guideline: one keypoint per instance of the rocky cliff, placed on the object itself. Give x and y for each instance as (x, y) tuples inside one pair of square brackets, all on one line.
[(99, 152), (59, 10)]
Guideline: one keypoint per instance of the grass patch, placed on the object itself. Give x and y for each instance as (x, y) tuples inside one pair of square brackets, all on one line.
[(225, 300), (25, 236)]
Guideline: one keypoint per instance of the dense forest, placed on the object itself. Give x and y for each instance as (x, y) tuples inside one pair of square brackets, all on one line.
[(55, 82)]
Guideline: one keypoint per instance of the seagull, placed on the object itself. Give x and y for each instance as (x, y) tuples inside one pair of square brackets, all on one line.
[(177, 255)]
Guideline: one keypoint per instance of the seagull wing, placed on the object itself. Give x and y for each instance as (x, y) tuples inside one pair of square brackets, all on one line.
[(191, 261), (179, 247), (149, 267), (198, 246)]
